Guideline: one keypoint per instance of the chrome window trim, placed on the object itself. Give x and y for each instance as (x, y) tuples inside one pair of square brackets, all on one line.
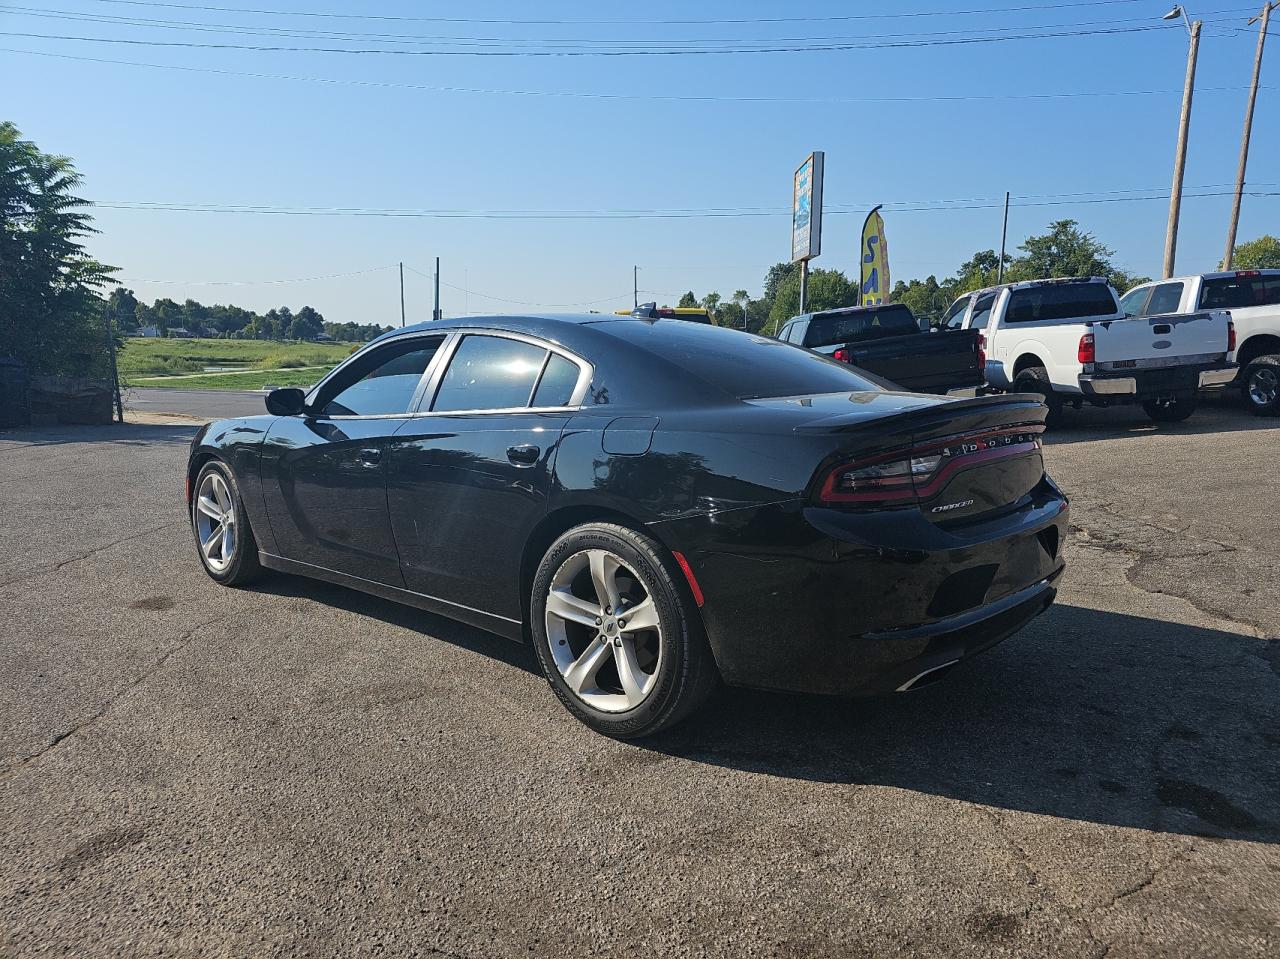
[(585, 372)]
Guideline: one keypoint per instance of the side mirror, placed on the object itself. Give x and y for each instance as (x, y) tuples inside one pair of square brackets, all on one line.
[(925, 325), (288, 401)]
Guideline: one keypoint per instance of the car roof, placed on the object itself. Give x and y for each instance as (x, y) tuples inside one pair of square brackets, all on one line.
[(1227, 275), (1029, 284)]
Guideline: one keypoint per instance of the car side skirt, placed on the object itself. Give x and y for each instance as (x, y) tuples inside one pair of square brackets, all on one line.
[(491, 622)]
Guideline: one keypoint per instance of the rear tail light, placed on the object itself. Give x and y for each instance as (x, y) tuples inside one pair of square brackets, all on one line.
[(843, 355), (1248, 273), (900, 477), (1231, 335), (1086, 352), (982, 352)]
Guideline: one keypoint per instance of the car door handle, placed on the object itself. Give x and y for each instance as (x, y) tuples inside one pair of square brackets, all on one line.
[(370, 457), (526, 454)]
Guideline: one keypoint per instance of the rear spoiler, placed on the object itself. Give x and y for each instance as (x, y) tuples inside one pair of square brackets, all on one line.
[(1019, 408)]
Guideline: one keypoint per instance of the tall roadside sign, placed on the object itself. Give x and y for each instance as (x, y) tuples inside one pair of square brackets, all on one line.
[(874, 279), (806, 218)]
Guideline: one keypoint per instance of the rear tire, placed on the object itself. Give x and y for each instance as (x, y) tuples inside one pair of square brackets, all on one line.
[(1035, 379), (1169, 411), (624, 679), (224, 541), (1261, 387)]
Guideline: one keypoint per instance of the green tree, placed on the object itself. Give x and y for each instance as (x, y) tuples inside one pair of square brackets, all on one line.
[(122, 310), (688, 300), (1066, 250), (306, 325), (710, 302), (828, 290), (50, 306), (1260, 254), (925, 298)]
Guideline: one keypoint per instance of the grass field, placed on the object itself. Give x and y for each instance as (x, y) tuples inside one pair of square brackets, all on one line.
[(264, 361)]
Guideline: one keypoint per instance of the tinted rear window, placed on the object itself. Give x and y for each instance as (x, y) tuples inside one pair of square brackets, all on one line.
[(742, 364), (1238, 292), (863, 325), (1060, 302)]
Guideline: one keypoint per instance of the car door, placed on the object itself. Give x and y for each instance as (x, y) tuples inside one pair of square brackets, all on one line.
[(469, 478), (324, 470)]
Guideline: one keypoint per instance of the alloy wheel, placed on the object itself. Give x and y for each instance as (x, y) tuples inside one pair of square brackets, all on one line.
[(215, 520), (604, 631), (1264, 386)]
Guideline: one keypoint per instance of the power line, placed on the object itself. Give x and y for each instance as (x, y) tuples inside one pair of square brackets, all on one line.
[(300, 279), (573, 94), (502, 299), (937, 206), (645, 52), (596, 22)]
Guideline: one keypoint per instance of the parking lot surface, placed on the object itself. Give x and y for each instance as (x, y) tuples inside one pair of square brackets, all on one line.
[(297, 769)]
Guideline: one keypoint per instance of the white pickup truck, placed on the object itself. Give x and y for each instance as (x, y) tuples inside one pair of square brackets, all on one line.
[(1253, 298), (1069, 340)]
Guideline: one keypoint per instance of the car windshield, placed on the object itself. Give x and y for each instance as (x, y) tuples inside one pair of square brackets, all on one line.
[(834, 328), (1060, 301), (744, 365)]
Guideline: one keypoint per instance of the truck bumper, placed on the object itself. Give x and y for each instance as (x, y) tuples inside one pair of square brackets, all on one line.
[(1157, 381)]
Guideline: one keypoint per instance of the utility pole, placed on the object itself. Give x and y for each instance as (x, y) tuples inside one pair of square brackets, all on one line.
[(435, 313), (401, 294), (1180, 155), (115, 372), (804, 283), (1004, 234), (635, 288), (1265, 17)]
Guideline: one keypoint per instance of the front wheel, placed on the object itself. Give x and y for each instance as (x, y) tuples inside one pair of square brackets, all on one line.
[(616, 633), (1262, 386), (225, 542), (1169, 410)]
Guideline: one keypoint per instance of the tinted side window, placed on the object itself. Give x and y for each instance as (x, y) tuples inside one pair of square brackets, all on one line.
[(982, 311), (1060, 302), (784, 334), (893, 320), (557, 383), (1164, 299), (1132, 303), (390, 378), (489, 373), (952, 319)]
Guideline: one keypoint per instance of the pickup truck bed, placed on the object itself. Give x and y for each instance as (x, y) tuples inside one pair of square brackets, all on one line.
[(887, 341)]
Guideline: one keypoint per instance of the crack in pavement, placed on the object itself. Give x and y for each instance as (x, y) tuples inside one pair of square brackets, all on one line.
[(46, 570), (184, 640)]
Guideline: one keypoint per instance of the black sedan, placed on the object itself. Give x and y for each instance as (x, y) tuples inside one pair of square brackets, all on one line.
[(657, 506)]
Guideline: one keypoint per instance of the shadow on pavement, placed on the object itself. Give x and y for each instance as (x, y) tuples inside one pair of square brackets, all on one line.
[(1216, 414), (121, 434), (1085, 715)]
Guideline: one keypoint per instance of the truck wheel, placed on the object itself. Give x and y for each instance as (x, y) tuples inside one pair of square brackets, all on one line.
[(1262, 386), (1035, 379), (1169, 411)]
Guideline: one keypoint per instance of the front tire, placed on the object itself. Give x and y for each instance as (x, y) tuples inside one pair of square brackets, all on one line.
[(228, 552), (1262, 386), (1169, 411), (617, 634)]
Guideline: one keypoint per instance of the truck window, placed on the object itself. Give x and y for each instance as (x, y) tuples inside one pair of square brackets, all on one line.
[(1135, 301), (954, 317), (982, 311), (1060, 301), (1238, 292), (1164, 299), (835, 328)]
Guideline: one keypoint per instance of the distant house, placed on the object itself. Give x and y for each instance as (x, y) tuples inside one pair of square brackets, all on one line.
[(323, 338), (149, 331), (180, 333)]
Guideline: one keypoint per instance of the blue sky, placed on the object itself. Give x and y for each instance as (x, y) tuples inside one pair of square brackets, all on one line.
[(377, 139)]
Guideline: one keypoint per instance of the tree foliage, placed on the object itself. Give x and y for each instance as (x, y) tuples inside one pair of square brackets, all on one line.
[(131, 315), (1260, 254), (828, 290), (50, 308)]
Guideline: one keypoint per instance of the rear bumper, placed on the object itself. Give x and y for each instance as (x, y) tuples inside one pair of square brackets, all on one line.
[(830, 601), (1139, 383)]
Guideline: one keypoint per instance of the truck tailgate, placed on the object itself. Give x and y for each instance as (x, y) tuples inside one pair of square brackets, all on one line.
[(1169, 340), (923, 363)]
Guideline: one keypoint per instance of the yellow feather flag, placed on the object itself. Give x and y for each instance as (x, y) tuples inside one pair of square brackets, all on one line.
[(875, 261)]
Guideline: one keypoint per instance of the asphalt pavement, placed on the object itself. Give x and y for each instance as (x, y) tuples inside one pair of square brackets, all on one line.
[(297, 769), (202, 404)]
